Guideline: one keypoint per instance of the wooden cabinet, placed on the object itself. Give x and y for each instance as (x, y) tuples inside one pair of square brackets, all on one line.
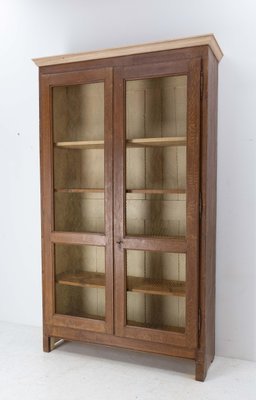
[(128, 179)]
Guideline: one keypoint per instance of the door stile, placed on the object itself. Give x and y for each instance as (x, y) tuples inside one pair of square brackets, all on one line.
[(193, 189)]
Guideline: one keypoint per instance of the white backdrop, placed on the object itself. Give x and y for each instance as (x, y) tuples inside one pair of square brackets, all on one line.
[(42, 28)]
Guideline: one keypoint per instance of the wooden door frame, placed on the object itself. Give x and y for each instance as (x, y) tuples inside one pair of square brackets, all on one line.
[(189, 245), (51, 237)]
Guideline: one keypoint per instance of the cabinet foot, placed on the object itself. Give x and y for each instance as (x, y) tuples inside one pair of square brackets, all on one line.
[(202, 367), (51, 343), (201, 371), (47, 344)]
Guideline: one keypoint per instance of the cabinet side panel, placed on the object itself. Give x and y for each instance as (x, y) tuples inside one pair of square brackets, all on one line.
[(208, 222)]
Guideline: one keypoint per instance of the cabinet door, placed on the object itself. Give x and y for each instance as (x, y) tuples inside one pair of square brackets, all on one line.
[(156, 224), (76, 166)]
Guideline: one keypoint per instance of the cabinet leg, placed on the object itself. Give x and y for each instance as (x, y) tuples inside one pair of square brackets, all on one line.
[(47, 344), (202, 366), (50, 343), (201, 371)]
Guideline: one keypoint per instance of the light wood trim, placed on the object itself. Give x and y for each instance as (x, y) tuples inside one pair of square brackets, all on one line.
[(157, 191), (161, 287), (82, 144), (202, 40), (82, 279), (140, 142), (157, 141)]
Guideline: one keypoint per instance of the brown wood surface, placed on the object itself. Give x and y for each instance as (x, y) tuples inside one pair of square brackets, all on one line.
[(78, 238), (176, 329), (68, 333), (89, 329), (49, 236), (80, 190), (192, 69), (115, 62), (46, 206), (193, 187), (206, 345)]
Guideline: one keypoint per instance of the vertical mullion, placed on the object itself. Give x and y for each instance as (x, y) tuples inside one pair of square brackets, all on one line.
[(119, 202), (108, 196)]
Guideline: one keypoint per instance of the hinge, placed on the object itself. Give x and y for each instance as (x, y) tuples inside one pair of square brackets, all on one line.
[(199, 321), (201, 84), (200, 205)]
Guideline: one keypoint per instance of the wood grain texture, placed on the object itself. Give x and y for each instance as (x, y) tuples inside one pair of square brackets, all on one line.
[(138, 59), (206, 350), (82, 279), (205, 40), (79, 190), (49, 236), (117, 328), (161, 287), (191, 68), (115, 341)]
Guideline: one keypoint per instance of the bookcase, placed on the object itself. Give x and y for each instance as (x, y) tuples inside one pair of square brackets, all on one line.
[(128, 187)]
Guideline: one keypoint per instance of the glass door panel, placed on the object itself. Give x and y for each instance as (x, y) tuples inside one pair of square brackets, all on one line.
[(78, 131), (156, 290), (157, 201), (156, 137), (80, 281)]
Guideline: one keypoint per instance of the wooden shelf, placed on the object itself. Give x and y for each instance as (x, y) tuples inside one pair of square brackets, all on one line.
[(157, 142), (156, 326), (140, 142), (82, 144), (157, 191), (79, 190), (82, 279), (161, 287)]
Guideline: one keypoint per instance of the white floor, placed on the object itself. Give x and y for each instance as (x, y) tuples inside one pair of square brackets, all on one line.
[(82, 371)]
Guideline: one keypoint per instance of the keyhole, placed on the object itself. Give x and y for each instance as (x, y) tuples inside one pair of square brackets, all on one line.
[(119, 242)]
